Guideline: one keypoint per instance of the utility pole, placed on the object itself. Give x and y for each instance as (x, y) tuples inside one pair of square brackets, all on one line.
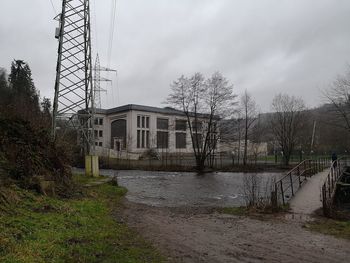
[(74, 104), (313, 138)]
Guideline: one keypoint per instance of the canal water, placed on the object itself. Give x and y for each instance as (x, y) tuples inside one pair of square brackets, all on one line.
[(173, 189)]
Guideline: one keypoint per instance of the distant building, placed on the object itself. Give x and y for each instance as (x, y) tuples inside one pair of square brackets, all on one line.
[(130, 131)]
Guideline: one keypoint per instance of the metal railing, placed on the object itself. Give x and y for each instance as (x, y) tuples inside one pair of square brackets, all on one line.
[(329, 186), (286, 187)]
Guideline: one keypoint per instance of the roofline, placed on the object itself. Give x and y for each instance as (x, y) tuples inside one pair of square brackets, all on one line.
[(136, 107)]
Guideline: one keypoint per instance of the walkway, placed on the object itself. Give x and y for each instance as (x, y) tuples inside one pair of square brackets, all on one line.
[(308, 199)]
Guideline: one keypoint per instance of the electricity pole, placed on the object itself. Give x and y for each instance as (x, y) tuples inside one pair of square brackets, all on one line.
[(74, 97), (97, 81)]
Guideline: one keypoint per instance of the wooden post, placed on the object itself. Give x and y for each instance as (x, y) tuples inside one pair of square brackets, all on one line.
[(282, 192)]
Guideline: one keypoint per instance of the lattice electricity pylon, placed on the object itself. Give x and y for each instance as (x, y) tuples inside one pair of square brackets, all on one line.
[(97, 81), (74, 96)]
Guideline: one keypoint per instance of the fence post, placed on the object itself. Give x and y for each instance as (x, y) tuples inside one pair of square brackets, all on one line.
[(291, 183), (282, 192), (329, 183)]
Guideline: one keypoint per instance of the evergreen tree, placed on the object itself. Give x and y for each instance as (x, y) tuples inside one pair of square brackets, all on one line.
[(4, 89), (23, 88)]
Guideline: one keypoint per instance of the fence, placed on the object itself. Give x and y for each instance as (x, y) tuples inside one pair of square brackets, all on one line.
[(329, 186), (286, 187), (181, 162)]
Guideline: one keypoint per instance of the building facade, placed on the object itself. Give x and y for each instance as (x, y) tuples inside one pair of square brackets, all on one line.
[(131, 131)]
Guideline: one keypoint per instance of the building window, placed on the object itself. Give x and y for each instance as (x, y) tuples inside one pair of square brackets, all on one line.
[(100, 144), (100, 134), (162, 140), (180, 125), (162, 124), (98, 121), (95, 133), (180, 140), (147, 139), (198, 141), (138, 139), (197, 125), (143, 131), (119, 134)]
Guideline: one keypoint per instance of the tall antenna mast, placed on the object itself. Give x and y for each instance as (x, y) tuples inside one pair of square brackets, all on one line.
[(74, 96)]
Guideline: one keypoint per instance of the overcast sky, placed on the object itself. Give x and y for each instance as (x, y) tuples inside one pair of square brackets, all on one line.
[(264, 46)]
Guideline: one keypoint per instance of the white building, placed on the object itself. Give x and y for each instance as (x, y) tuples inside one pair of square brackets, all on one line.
[(131, 130)]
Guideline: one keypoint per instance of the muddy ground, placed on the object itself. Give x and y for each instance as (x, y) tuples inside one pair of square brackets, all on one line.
[(203, 235)]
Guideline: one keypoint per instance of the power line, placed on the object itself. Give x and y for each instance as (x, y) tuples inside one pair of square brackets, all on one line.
[(111, 36), (53, 7), (96, 27)]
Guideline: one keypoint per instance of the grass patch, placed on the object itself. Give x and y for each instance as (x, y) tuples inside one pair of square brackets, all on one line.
[(339, 229), (237, 211), (37, 228)]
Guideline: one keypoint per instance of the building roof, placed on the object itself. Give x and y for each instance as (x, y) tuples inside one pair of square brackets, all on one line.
[(129, 107)]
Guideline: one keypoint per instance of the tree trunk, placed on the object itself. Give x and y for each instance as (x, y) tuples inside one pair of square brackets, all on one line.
[(245, 144)]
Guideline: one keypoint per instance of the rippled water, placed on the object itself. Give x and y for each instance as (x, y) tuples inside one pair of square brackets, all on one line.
[(185, 189)]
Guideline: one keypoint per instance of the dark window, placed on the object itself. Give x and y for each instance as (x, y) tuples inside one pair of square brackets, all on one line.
[(196, 125), (101, 121), (138, 121), (118, 131), (197, 140), (162, 124), (180, 125), (143, 122), (96, 121), (100, 133), (138, 138), (96, 143), (95, 133), (162, 139), (143, 139), (147, 122), (147, 139), (100, 144), (180, 140)]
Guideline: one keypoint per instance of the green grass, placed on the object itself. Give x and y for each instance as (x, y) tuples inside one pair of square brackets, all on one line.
[(237, 211), (340, 229), (44, 229)]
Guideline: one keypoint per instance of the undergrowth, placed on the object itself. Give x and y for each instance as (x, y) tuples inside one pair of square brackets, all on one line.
[(36, 228)]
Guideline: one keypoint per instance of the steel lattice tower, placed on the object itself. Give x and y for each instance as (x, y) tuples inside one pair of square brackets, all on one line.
[(74, 95), (97, 83)]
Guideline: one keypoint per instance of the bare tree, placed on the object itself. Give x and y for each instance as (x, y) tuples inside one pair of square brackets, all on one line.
[(339, 97), (250, 113), (287, 122), (203, 102)]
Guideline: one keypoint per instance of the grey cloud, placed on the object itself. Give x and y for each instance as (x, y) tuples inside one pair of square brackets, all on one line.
[(265, 46)]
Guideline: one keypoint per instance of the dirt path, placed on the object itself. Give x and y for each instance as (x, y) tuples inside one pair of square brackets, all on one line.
[(201, 235)]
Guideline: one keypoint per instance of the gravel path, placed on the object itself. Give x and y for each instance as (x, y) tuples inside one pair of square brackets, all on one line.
[(192, 235)]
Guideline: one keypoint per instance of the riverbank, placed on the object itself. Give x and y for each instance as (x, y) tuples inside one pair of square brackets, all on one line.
[(84, 228), (187, 234)]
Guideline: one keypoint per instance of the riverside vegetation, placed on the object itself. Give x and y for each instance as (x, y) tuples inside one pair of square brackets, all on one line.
[(83, 228), (46, 213)]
